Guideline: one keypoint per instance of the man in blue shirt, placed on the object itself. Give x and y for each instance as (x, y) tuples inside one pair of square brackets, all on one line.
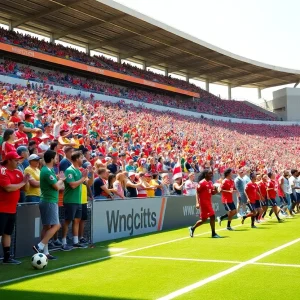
[(65, 163)]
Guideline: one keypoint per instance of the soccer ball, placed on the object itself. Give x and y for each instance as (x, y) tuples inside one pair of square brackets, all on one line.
[(39, 261)]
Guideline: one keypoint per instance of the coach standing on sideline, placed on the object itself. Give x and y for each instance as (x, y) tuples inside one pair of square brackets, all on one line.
[(11, 182)]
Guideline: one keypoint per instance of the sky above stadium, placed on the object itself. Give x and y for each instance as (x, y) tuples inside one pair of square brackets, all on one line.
[(263, 30)]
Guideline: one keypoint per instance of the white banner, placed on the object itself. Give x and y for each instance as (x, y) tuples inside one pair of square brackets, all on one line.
[(125, 218)]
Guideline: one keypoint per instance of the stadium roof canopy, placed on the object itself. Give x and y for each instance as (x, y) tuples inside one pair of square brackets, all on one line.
[(112, 28)]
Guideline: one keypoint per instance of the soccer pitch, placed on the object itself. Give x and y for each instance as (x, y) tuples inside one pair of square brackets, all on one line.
[(246, 264)]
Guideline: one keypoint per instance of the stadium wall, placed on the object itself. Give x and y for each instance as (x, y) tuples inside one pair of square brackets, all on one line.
[(101, 97)]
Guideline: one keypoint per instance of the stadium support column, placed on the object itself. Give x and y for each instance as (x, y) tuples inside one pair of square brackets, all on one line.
[(229, 91), (119, 59), (207, 85), (144, 65), (187, 78), (10, 27), (51, 38), (87, 50), (166, 71), (259, 93)]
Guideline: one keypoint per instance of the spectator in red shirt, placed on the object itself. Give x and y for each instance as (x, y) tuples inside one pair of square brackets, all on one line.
[(9, 139), (22, 138), (11, 182)]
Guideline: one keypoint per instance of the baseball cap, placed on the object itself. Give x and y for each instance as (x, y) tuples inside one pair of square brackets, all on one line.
[(33, 157), (86, 164), (12, 155), (21, 149), (131, 174), (148, 175), (44, 136)]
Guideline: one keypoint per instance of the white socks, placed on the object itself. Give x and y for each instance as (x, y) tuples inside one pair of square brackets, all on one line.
[(41, 245), (46, 252), (75, 239)]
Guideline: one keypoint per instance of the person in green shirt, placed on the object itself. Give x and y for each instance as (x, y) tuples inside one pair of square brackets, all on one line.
[(28, 124), (72, 198), (49, 202)]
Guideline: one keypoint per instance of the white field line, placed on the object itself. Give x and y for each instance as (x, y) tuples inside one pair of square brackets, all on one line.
[(209, 260), (106, 257), (183, 259), (278, 265), (212, 278)]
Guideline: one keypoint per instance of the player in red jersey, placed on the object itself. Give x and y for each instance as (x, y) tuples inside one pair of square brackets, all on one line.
[(253, 203), (271, 191), (262, 187), (227, 189), (205, 190)]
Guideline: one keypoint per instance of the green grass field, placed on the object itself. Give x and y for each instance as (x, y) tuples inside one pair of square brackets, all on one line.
[(262, 263)]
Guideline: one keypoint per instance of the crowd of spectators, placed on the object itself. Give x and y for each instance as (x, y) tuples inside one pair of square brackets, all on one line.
[(207, 103), (211, 105), (116, 151)]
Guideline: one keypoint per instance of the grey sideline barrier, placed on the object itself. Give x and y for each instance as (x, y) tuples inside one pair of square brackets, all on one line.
[(125, 218), (28, 228)]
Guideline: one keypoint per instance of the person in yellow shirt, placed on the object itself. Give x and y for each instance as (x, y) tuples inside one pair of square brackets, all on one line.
[(85, 194), (75, 140), (33, 192), (150, 189)]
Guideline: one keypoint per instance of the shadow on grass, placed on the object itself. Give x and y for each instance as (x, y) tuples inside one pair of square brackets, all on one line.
[(34, 295)]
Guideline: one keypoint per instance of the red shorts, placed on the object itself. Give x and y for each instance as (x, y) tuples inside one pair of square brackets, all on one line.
[(206, 212)]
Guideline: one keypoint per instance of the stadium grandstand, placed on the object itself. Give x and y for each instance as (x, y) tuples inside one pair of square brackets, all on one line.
[(80, 129)]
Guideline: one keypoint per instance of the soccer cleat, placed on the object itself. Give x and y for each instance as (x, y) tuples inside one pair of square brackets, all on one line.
[(79, 246), (51, 257), (83, 241), (219, 221), (37, 249), (230, 228), (11, 261), (258, 221), (216, 236), (280, 221), (66, 248), (57, 243), (242, 220), (253, 226), (191, 231)]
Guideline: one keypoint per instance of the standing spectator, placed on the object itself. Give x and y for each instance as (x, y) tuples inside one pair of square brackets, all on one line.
[(101, 190), (49, 203), (86, 194), (72, 198), (190, 185), (38, 122), (132, 185), (22, 138), (165, 184), (33, 192), (28, 124), (44, 145), (113, 167), (66, 162), (120, 185), (8, 144), (11, 182), (155, 182)]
